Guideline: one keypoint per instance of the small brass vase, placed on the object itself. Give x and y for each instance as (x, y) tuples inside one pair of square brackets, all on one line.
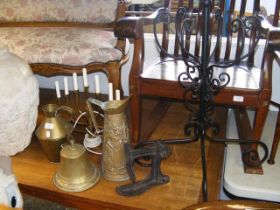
[(115, 135), (53, 131)]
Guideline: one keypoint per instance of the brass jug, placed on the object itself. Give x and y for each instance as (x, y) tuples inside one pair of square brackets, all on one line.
[(115, 135), (76, 173), (53, 131)]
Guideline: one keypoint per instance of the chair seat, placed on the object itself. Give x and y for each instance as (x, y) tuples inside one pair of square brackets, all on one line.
[(60, 45), (241, 77)]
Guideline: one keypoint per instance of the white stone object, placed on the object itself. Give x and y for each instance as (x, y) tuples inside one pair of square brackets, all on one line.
[(18, 105)]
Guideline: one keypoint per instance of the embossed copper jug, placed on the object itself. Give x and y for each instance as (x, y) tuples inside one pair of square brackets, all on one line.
[(115, 134), (53, 131)]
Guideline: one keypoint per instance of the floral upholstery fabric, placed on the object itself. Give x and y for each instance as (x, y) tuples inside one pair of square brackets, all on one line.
[(94, 11), (70, 46)]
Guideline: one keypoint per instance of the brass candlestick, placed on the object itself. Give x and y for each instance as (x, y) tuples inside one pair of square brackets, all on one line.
[(89, 119)]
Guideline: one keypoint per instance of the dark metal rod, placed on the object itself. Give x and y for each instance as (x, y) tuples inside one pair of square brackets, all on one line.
[(203, 102), (204, 168)]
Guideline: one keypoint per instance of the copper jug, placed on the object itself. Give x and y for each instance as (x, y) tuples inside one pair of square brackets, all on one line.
[(115, 135), (76, 173), (53, 131)]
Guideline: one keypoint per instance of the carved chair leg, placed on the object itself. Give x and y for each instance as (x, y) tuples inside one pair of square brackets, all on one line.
[(259, 121), (136, 115), (275, 140), (114, 76)]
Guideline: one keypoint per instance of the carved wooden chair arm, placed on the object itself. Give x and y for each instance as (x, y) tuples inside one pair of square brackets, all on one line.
[(129, 27), (273, 38), (132, 28), (277, 56), (148, 20), (273, 45), (265, 24)]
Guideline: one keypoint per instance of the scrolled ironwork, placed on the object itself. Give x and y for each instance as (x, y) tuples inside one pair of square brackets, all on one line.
[(200, 82)]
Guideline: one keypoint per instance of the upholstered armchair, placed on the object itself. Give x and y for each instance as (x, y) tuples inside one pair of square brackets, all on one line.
[(60, 37)]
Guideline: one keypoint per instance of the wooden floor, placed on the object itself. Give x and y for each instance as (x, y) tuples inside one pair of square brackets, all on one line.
[(34, 172)]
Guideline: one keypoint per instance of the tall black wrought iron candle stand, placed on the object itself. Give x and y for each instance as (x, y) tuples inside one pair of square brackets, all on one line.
[(199, 82)]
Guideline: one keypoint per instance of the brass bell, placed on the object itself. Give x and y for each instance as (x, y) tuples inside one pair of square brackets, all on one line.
[(76, 173)]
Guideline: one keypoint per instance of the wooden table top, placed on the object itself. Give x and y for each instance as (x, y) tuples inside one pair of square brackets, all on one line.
[(34, 173)]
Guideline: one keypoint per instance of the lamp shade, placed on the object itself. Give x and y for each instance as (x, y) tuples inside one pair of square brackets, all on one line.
[(19, 98)]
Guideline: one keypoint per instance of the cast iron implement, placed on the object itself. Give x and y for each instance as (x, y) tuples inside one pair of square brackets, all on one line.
[(155, 151)]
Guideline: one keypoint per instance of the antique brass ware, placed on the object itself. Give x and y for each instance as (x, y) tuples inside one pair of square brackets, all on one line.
[(76, 173), (53, 131), (115, 135)]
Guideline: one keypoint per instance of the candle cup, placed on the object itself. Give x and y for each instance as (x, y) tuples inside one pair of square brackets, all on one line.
[(97, 95), (86, 89), (59, 101), (86, 92), (66, 99), (77, 97)]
